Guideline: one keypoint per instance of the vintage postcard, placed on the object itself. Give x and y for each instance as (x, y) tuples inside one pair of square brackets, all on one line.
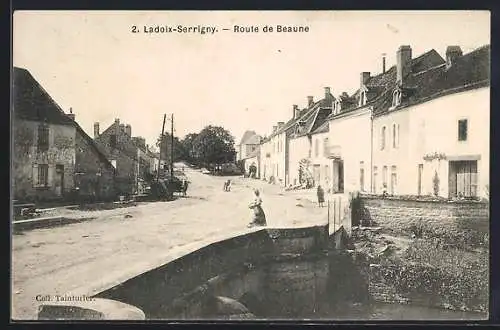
[(250, 165)]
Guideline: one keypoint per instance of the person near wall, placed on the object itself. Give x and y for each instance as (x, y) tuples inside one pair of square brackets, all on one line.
[(259, 217), (321, 196)]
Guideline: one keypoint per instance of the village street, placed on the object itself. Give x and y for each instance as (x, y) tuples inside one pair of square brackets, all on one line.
[(57, 260)]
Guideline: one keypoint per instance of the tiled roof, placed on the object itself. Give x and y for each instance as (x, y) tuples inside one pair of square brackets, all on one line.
[(93, 145), (32, 102), (323, 128), (378, 85), (465, 72)]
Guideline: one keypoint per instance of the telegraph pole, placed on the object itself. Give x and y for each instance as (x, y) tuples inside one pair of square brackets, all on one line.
[(172, 148), (161, 142)]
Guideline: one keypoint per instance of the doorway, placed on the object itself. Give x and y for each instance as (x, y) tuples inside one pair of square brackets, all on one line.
[(463, 178), (59, 180)]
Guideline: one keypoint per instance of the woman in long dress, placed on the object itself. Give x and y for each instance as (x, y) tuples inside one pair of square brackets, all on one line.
[(259, 217)]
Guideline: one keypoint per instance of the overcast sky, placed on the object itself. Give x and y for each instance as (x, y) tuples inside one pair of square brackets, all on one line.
[(92, 62)]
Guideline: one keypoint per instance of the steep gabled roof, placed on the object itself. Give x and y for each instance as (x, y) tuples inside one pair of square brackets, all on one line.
[(378, 85), (469, 71), (32, 102), (93, 145)]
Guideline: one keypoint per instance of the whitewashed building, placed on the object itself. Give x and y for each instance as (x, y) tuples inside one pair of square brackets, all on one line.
[(432, 131)]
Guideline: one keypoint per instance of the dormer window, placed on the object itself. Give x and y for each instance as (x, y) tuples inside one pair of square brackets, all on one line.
[(362, 99), (396, 98), (336, 107)]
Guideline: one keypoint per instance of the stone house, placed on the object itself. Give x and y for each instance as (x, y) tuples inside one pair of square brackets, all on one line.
[(129, 155), (431, 130), (49, 148)]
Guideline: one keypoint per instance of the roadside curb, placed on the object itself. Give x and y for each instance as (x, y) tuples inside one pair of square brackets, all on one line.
[(46, 222)]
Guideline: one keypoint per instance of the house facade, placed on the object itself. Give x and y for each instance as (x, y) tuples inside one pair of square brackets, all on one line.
[(248, 151), (432, 131), (273, 154), (52, 157), (130, 156), (94, 173), (307, 140)]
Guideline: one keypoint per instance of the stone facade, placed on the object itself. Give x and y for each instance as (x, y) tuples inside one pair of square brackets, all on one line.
[(400, 214), (55, 180), (119, 148), (94, 174)]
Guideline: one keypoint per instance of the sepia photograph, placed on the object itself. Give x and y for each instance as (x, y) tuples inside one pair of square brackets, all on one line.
[(250, 165)]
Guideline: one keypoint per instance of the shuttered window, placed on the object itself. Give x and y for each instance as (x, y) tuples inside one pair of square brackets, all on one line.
[(43, 138), (40, 175), (467, 179)]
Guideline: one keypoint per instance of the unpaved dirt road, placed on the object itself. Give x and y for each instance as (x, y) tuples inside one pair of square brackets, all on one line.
[(60, 259)]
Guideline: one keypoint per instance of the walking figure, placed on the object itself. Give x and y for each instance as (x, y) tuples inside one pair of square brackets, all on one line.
[(228, 186), (185, 184), (321, 196), (259, 217)]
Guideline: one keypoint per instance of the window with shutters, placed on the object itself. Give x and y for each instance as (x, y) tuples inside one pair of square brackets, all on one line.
[(384, 177), (463, 179), (395, 135), (41, 175), (394, 180), (382, 138), (43, 138)]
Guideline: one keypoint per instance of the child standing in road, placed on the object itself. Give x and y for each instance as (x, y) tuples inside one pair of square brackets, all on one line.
[(321, 196)]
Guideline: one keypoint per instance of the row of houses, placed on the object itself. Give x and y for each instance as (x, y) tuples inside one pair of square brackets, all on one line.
[(54, 159), (421, 127)]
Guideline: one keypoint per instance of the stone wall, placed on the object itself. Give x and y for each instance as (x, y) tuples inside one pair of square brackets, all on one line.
[(125, 154), (26, 158), (400, 214), (242, 268), (95, 176)]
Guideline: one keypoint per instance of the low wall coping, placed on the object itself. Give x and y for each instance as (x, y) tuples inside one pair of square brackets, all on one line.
[(424, 199), (131, 271)]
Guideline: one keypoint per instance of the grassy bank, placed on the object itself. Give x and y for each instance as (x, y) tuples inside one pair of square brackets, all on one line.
[(428, 266)]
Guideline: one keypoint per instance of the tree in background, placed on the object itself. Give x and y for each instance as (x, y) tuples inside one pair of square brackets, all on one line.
[(188, 148), (165, 147), (214, 145)]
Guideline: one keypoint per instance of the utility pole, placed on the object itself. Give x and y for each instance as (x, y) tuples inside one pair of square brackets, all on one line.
[(161, 141), (172, 148)]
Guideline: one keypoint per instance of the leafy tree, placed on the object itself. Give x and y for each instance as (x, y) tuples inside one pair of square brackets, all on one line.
[(214, 145), (188, 147)]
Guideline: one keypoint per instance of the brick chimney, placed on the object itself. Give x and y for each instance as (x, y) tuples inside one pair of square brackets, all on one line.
[(403, 58), (281, 124), (328, 92), (383, 62), (363, 78), (275, 128), (128, 130), (296, 111), (71, 115), (96, 130), (310, 101), (452, 53)]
